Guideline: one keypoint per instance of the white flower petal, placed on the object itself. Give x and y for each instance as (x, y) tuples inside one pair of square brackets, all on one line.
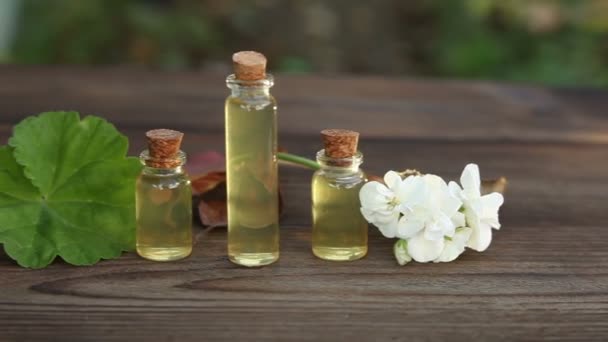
[(423, 250), (433, 232), (450, 204), (458, 219), (404, 209), (471, 218), (445, 223), (491, 221), (387, 224), (392, 180), (492, 201), (491, 204), (386, 193), (409, 226), (434, 182), (487, 209), (370, 197), (454, 247), (368, 214), (388, 229), (400, 251), (385, 217), (474, 206), (455, 189), (470, 180), (440, 197), (481, 237), (412, 191), (462, 235)]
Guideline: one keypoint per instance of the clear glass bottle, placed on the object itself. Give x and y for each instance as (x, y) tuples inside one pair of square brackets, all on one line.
[(164, 210), (339, 230), (252, 172)]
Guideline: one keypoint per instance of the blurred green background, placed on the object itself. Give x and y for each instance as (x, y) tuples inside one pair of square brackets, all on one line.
[(553, 42)]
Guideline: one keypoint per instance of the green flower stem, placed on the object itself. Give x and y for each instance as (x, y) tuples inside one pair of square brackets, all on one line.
[(292, 158)]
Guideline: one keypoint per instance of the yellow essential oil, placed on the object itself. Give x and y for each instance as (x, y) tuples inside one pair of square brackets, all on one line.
[(339, 230), (163, 209), (252, 174)]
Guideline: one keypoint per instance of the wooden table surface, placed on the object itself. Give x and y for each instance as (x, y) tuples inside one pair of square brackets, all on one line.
[(545, 276)]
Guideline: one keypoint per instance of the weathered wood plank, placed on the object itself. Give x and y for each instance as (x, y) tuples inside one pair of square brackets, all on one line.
[(540, 291), (377, 107)]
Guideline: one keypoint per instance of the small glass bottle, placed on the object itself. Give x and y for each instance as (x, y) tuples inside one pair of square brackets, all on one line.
[(163, 199), (339, 230), (251, 163)]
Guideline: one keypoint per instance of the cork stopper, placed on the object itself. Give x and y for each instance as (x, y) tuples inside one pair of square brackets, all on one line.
[(249, 65), (340, 143), (163, 148)]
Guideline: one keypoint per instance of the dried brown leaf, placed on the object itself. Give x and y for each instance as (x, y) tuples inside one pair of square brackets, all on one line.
[(209, 188)]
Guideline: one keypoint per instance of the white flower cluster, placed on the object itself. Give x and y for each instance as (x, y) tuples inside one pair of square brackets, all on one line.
[(433, 220)]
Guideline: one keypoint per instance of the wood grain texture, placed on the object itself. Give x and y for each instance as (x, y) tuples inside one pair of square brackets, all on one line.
[(545, 275)]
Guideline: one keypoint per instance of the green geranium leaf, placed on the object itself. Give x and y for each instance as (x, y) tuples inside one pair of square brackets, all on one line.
[(66, 189)]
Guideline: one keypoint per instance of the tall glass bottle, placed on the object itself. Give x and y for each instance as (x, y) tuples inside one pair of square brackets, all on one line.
[(163, 199), (251, 163), (339, 230)]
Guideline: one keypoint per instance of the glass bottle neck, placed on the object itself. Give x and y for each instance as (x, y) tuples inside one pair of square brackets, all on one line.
[(162, 167), (339, 167), (148, 170), (250, 89)]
